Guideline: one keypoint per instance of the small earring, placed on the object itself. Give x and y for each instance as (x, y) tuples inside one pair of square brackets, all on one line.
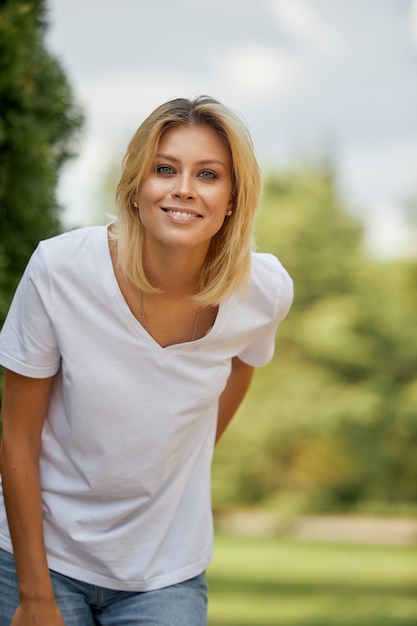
[(229, 213), (135, 204)]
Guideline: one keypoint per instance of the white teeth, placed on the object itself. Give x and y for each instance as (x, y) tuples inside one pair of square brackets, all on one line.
[(180, 213)]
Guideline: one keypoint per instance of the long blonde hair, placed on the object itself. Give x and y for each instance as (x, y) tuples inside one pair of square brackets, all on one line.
[(227, 265)]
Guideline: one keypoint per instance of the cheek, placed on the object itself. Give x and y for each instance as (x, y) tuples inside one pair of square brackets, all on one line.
[(221, 196), (221, 202), (147, 193)]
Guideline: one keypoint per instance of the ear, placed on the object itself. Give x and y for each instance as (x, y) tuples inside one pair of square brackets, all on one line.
[(230, 206)]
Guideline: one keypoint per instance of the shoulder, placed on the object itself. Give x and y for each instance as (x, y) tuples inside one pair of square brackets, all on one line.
[(269, 275), (266, 266), (270, 285), (72, 250), (79, 239), (68, 255)]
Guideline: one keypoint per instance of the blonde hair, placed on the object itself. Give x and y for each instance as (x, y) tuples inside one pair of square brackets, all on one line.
[(227, 265)]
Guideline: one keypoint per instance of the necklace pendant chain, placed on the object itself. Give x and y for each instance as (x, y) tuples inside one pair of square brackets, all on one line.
[(142, 311), (197, 319), (145, 323)]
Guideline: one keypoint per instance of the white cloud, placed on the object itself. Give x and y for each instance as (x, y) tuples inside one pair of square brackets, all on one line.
[(121, 100), (303, 22), (258, 72), (413, 21), (387, 233), (383, 173)]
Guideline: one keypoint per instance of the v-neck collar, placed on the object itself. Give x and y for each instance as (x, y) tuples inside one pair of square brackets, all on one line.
[(113, 289)]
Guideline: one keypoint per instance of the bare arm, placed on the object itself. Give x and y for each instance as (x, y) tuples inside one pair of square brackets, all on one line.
[(233, 394), (25, 402)]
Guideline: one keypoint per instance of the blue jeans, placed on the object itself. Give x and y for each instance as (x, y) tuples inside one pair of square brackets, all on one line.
[(82, 604)]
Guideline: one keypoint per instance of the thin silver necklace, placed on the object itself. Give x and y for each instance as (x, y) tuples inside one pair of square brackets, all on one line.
[(145, 324)]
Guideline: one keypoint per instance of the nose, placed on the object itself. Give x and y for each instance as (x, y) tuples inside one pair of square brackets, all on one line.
[(184, 187)]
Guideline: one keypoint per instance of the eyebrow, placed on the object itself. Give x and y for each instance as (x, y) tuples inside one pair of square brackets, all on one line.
[(161, 155)]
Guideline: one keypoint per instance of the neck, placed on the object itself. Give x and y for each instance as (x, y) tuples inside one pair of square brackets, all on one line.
[(174, 270)]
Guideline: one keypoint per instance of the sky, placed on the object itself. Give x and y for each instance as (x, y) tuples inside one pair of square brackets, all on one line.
[(315, 80)]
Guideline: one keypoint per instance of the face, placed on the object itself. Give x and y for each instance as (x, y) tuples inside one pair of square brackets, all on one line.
[(184, 200)]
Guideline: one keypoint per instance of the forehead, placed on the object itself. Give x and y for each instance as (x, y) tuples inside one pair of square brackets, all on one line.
[(196, 142)]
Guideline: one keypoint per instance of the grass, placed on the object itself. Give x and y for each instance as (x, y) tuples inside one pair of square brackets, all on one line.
[(269, 582)]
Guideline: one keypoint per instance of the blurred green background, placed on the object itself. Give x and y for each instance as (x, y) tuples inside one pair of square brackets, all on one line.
[(271, 582), (331, 423)]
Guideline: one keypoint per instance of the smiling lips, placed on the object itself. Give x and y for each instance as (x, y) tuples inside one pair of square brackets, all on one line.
[(180, 213)]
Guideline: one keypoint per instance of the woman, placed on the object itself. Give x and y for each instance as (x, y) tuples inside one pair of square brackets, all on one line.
[(127, 350)]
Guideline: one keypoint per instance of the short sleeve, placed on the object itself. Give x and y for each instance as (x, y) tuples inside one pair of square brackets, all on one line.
[(28, 344), (272, 295)]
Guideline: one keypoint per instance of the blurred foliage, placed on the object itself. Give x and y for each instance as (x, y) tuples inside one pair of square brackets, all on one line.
[(39, 124), (331, 423)]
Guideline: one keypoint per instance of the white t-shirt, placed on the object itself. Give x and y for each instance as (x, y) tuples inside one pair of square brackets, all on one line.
[(128, 439)]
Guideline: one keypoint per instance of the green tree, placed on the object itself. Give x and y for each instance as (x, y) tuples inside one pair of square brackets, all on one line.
[(331, 422), (39, 123)]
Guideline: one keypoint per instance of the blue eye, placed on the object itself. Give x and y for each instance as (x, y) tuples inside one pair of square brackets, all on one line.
[(164, 170), (207, 174)]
